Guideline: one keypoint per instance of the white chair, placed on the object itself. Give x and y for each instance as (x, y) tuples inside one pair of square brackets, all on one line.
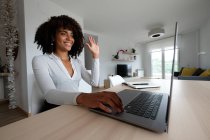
[(116, 80)]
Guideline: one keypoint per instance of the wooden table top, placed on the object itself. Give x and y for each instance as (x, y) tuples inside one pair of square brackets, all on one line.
[(189, 120)]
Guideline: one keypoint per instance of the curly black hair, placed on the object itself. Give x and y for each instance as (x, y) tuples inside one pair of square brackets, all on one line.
[(45, 34)]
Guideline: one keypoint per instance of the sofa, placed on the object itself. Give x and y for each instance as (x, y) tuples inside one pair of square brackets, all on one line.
[(194, 78), (187, 73)]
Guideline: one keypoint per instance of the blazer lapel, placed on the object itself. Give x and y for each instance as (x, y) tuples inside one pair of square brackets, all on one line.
[(60, 64)]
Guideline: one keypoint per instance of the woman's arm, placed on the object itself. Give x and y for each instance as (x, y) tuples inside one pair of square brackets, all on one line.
[(47, 86), (98, 99), (93, 78)]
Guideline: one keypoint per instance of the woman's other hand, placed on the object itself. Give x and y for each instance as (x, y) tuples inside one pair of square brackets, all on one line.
[(93, 47), (101, 100)]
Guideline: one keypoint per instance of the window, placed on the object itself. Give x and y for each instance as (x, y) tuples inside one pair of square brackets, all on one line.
[(161, 53), (161, 62), (168, 58), (156, 61)]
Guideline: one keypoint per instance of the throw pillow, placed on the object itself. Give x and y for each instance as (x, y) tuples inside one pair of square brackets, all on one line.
[(181, 71), (205, 73), (198, 72), (188, 71)]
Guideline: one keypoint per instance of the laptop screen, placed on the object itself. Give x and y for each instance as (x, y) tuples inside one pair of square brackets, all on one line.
[(172, 72)]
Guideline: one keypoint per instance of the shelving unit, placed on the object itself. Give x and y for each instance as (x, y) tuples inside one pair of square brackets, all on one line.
[(122, 60), (130, 53), (129, 58), (4, 74)]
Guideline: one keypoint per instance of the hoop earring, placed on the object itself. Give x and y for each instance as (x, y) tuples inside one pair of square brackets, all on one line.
[(52, 44)]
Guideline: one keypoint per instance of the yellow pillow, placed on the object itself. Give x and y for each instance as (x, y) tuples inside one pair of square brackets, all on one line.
[(205, 73), (188, 71)]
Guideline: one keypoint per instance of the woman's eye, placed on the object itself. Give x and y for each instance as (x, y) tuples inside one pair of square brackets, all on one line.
[(63, 33)]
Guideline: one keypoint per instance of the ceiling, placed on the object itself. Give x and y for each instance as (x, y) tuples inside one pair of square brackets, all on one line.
[(131, 20)]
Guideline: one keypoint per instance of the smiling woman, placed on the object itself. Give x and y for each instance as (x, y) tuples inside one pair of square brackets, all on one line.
[(59, 71), (64, 39)]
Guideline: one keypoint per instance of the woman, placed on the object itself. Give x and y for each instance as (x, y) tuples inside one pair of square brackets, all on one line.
[(58, 71)]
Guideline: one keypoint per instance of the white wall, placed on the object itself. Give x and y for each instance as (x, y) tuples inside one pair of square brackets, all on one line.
[(205, 45), (36, 12), (145, 59), (189, 47), (20, 63), (109, 45)]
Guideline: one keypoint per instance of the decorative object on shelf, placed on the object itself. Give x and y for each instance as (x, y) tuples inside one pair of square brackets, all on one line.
[(133, 50), (124, 55), (117, 55), (11, 42)]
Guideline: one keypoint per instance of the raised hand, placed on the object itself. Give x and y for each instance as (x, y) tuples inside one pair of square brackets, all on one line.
[(93, 47)]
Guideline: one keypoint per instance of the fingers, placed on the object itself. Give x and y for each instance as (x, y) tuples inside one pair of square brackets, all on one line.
[(91, 40), (107, 101), (114, 97), (104, 108), (88, 45), (111, 99)]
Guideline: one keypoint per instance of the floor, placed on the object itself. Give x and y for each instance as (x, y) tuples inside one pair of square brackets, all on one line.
[(8, 116)]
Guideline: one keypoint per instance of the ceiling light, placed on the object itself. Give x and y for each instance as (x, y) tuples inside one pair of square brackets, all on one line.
[(156, 32)]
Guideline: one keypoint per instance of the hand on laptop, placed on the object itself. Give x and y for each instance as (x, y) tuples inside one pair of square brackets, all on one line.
[(105, 100)]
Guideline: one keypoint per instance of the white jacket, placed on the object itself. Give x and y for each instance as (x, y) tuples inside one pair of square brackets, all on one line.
[(57, 86)]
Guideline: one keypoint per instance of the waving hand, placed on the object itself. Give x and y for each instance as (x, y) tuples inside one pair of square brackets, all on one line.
[(93, 47)]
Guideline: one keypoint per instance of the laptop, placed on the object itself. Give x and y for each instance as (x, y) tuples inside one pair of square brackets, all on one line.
[(144, 108), (141, 85)]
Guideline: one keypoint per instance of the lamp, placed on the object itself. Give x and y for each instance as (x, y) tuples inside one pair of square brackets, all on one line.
[(156, 32)]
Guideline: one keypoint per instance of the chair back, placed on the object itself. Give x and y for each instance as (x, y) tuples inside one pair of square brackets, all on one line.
[(116, 80)]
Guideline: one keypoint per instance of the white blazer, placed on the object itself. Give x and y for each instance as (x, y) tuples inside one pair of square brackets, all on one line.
[(57, 86)]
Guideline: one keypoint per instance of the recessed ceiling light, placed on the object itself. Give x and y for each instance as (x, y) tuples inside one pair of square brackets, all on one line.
[(155, 33)]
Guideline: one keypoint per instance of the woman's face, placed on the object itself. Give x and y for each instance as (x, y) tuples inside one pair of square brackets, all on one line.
[(64, 40)]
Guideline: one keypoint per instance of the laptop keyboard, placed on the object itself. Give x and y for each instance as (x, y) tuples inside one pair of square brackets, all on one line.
[(145, 104)]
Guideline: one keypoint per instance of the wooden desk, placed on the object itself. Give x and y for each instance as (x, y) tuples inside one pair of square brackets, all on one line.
[(189, 120)]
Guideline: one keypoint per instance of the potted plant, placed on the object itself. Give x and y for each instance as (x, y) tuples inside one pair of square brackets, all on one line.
[(133, 50)]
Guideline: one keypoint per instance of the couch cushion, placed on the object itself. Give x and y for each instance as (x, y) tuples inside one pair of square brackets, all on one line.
[(194, 78), (198, 72), (181, 71), (205, 73), (188, 71)]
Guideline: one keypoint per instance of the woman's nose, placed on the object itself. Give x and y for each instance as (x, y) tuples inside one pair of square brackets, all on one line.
[(70, 37)]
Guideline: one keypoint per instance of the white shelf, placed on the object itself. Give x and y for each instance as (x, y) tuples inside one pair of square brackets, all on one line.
[(126, 57), (122, 60), (130, 53), (4, 74)]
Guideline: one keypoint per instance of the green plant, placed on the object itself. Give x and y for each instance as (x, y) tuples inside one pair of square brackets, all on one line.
[(133, 50)]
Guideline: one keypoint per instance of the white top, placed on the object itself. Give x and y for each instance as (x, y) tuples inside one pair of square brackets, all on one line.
[(57, 86)]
